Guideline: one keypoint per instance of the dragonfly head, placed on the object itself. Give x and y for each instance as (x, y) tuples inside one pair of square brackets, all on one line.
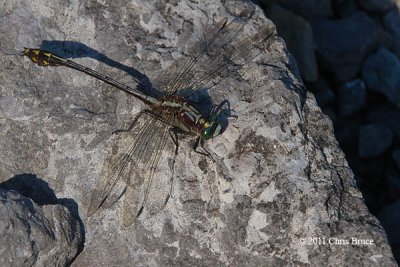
[(212, 128)]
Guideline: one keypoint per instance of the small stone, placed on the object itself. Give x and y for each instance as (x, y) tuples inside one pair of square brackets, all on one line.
[(352, 97), (306, 8), (390, 218), (381, 73), (391, 22), (342, 45), (344, 8), (396, 158), (376, 5), (374, 140), (393, 186), (387, 115)]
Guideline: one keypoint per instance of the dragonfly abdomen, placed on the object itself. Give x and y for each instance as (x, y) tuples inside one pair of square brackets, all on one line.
[(46, 58), (43, 57)]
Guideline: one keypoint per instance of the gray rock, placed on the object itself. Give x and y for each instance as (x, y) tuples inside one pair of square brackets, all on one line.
[(387, 115), (381, 73), (376, 5), (344, 8), (393, 184), (306, 8), (33, 235), (343, 44), (390, 217), (391, 21), (278, 176), (352, 97), (298, 36), (374, 140), (396, 158)]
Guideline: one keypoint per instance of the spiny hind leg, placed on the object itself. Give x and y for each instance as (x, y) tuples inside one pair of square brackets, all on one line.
[(200, 142), (173, 133), (174, 136)]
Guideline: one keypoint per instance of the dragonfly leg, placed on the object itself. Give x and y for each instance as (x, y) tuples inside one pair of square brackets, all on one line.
[(200, 142), (174, 136)]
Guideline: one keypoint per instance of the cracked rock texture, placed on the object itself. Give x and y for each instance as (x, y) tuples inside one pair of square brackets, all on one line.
[(280, 191)]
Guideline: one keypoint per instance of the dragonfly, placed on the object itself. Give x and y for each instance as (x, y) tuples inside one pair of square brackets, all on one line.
[(136, 152)]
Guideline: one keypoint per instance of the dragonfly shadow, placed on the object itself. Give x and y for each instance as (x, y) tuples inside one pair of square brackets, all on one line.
[(203, 101), (30, 186), (225, 114), (72, 50)]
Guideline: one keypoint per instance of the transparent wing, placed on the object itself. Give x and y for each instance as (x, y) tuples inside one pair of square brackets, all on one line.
[(131, 161), (161, 186), (140, 192), (219, 52)]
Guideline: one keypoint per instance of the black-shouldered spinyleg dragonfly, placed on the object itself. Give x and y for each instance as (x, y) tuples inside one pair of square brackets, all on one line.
[(172, 112)]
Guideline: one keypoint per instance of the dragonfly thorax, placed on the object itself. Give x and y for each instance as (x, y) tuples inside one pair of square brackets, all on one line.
[(188, 118)]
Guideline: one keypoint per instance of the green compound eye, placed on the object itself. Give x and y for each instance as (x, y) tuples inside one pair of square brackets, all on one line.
[(206, 133), (211, 131)]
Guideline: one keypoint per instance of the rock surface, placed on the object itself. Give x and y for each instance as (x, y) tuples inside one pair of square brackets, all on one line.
[(279, 185), (33, 235)]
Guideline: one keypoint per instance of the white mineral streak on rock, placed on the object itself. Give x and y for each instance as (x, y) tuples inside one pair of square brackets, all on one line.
[(269, 193), (254, 229)]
